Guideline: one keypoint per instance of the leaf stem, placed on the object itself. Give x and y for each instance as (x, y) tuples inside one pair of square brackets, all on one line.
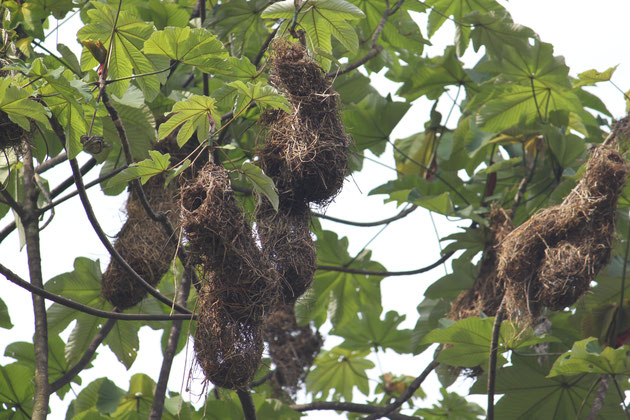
[(402, 214), (492, 363)]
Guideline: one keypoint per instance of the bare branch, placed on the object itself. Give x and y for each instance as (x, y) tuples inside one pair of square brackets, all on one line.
[(492, 363), (405, 396), (430, 267), (399, 216), (169, 352), (68, 376), (51, 163), (249, 411), (348, 406), (14, 278), (600, 396)]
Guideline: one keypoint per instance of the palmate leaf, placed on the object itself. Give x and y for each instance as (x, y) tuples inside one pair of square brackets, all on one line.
[(139, 398), (513, 104), (370, 332), (342, 295), (495, 30), (529, 394), (155, 165), (123, 341), (260, 93), (101, 395), (339, 370), (196, 114), (240, 22), (443, 9), (590, 77), (321, 19), (126, 53), (196, 47), (16, 391), (586, 356)]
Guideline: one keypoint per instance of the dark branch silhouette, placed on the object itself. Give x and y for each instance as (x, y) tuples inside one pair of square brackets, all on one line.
[(350, 407), (430, 267), (399, 216)]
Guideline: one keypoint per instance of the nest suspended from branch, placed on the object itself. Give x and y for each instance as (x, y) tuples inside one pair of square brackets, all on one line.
[(228, 351), (143, 244), (551, 259), (488, 289), (306, 151), (11, 135), (221, 241), (292, 348), (286, 240)]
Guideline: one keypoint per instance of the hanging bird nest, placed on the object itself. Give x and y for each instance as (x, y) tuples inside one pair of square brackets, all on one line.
[(551, 259), (286, 241), (221, 241), (228, 351), (11, 135), (306, 151), (487, 292), (143, 244), (292, 348)]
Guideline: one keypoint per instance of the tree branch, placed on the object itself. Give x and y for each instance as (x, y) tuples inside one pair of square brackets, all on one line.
[(169, 352), (264, 47), (348, 406), (68, 376), (40, 340), (430, 267), (492, 363), (14, 278), (399, 216), (10, 201), (249, 411), (405, 396), (51, 163), (600, 396)]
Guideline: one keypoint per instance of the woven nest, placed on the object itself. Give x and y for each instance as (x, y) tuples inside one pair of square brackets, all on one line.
[(286, 240), (143, 244), (551, 259), (292, 348), (11, 134), (228, 352), (306, 151), (221, 241), (487, 292)]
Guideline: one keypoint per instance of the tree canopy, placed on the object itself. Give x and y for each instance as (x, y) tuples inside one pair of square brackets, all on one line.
[(230, 126)]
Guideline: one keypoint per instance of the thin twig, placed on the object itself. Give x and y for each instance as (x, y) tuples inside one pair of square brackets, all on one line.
[(348, 406), (10, 201), (51, 163), (14, 278), (399, 216), (492, 363), (406, 395), (68, 376), (442, 259), (249, 411)]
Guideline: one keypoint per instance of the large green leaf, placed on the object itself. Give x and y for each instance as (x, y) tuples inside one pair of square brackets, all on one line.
[(123, 341), (452, 407), (495, 30), (101, 395), (240, 23), (126, 53), (196, 114), (590, 77), (155, 165), (16, 391), (139, 398), (339, 370), (196, 47), (5, 318), (261, 183), (260, 93), (17, 104), (342, 295), (586, 356), (529, 394), (369, 332), (321, 19)]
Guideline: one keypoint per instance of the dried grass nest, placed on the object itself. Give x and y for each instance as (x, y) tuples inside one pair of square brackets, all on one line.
[(292, 348), (487, 292), (286, 241), (11, 134), (228, 351), (143, 244), (550, 260), (306, 151), (221, 241)]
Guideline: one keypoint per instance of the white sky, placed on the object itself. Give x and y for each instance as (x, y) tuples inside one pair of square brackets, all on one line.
[(588, 35)]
